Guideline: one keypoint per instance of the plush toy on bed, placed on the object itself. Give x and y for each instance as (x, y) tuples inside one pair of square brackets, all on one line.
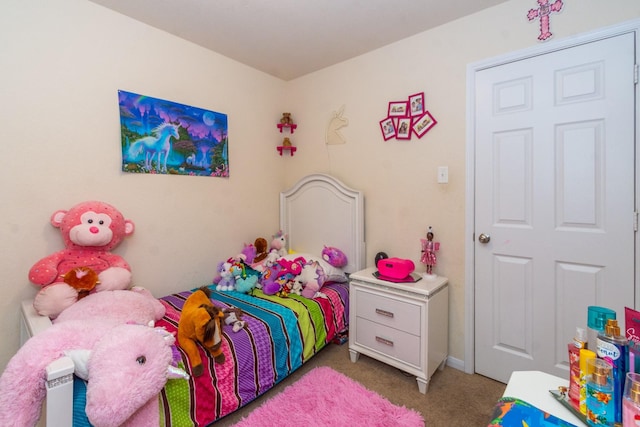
[(278, 279), (245, 283), (249, 253), (261, 249), (334, 256), (137, 305), (270, 279), (200, 323), (311, 279), (233, 317), (224, 281), (279, 243), (126, 362), (90, 230)]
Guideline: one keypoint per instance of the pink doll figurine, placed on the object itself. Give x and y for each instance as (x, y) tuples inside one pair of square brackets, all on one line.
[(429, 248)]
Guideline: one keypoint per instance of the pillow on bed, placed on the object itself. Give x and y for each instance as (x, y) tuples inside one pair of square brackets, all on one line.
[(334, 274)]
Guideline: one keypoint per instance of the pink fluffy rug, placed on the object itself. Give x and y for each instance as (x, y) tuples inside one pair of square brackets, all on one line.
[(324, 397)]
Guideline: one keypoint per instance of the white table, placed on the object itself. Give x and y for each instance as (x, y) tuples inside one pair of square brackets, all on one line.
[(405, 325), (533, 387)]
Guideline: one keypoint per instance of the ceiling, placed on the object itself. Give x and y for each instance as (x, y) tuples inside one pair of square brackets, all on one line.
[(291, 38)]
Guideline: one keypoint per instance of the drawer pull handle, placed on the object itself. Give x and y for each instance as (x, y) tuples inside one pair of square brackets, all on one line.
[(384, 312), (384, 341)]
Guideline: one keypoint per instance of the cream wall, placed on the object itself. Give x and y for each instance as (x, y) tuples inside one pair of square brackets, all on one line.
[(402, 197), (63, 62)]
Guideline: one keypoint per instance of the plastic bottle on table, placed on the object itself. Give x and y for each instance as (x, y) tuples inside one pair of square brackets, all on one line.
[(631, 401), (600, 406), (614, 348)]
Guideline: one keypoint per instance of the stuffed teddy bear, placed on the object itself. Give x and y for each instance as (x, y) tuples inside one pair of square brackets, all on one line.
[(90, 230), (286, 119), (261, 249), (126, 362)]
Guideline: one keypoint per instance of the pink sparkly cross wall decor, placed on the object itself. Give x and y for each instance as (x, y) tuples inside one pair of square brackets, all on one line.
[(543, 12)]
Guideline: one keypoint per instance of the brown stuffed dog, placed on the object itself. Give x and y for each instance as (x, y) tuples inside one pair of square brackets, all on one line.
[(200, 322)]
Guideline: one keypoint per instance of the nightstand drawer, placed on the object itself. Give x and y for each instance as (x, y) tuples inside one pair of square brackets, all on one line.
[(391, 342), (390, 312)]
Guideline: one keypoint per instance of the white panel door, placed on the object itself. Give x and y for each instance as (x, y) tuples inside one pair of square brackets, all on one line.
[(554, 164)]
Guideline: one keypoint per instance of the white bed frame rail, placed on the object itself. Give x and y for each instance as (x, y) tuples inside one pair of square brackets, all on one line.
[(57, 408)]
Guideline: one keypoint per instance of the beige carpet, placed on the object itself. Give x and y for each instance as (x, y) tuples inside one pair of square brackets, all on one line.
[(454, 399)]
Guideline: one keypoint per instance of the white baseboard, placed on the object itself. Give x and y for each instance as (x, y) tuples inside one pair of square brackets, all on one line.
[(455, 363)]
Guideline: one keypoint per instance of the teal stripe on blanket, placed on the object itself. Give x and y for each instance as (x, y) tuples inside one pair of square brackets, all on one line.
[(279, 320), (79, 403)]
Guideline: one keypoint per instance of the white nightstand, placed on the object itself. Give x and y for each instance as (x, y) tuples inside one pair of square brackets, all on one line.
[(405, 325)]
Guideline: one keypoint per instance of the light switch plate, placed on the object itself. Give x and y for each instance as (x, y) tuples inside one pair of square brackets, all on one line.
[(443, 174)]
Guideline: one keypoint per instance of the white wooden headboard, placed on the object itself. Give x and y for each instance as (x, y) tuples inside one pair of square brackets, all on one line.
[(320, 210)]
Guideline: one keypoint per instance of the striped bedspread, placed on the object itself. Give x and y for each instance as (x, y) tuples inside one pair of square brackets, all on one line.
[(281, 334)]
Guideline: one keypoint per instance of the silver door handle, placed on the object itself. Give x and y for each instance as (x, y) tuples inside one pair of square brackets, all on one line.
[(484, 238)]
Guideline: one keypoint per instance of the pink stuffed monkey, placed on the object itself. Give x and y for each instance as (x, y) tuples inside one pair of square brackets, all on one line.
[(90, 230)]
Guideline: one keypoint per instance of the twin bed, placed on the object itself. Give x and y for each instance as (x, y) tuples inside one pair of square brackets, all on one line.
[(280, 333)]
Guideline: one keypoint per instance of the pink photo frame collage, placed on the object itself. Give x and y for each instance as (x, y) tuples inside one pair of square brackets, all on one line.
[(407, 118)]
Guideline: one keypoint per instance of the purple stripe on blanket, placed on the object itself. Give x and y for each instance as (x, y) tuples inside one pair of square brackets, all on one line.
[(257, 374)]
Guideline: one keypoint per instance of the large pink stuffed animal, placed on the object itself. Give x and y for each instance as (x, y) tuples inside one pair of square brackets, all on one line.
[(90, 231), (126, 362)]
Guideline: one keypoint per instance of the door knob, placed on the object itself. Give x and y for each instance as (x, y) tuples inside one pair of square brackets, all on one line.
[(484, 238)]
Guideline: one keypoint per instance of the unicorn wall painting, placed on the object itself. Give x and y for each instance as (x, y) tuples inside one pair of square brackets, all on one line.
[(163, 137)]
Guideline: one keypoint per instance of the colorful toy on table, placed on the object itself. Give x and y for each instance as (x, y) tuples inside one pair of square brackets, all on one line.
[(90, 230)]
